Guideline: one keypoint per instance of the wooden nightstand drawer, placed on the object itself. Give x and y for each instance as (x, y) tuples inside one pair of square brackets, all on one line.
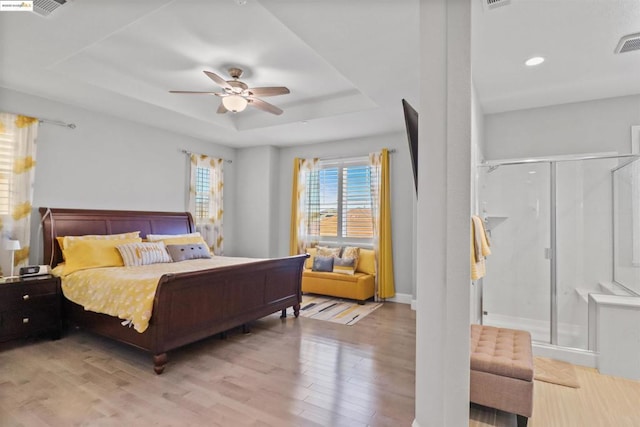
[(28, 297), (19, 323)]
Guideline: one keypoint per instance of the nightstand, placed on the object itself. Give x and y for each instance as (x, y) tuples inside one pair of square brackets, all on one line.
[(30, 306)]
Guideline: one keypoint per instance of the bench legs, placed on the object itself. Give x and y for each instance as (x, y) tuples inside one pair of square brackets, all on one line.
[(522, 420)]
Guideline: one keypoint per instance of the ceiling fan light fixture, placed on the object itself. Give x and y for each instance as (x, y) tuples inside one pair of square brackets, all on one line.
[(234, 103)]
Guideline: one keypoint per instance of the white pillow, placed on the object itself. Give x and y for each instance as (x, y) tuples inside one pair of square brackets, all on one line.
[(144, 253), (156, 237)]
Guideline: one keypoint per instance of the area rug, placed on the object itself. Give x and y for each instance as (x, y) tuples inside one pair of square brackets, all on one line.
[(345, 312), (555, 372)]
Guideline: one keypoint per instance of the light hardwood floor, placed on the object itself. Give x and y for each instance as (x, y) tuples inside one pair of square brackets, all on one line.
[(296, 372)]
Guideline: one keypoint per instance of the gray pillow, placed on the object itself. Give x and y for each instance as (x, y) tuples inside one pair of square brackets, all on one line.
[(322, 263), (188, 251)]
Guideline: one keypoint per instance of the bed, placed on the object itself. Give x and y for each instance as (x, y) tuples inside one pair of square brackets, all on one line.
[(188, 306)]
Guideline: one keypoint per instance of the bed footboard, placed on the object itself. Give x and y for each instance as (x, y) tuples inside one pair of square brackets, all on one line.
[(191, 306)]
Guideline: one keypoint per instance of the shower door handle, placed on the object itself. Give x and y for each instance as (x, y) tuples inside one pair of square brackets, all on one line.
[(548, 253)]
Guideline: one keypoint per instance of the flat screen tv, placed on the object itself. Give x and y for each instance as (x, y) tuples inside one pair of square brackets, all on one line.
[(411, 121)]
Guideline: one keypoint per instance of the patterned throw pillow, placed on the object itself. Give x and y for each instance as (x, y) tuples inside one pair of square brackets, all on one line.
[(328, 252), (188, 251), (344, 266), (144, 253), (323, 263), (352, 252)]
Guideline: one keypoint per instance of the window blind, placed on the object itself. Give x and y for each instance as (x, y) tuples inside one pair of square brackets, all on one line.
[(339, 200), (356, 202), (6, 169), (203, 193)]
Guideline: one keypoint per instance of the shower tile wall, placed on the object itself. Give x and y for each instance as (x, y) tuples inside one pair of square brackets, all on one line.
[(515, 201)]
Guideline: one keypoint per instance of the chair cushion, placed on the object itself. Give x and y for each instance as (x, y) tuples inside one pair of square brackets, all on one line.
[(500, 351), (333, 276)]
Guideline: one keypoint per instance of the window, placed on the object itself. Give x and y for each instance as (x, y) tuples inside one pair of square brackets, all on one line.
[(6, 166), (339, 202), (203, 193), (206, 195)]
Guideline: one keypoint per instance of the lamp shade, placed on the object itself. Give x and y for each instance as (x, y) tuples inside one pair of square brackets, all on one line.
[(234, 103), (12, 245)]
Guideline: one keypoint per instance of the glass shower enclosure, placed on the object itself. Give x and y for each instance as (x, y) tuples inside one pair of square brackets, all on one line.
[(550, 223)]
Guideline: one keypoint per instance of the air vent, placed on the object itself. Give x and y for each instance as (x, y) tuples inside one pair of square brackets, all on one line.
[(45, 7), (492, 4), (628, 43)]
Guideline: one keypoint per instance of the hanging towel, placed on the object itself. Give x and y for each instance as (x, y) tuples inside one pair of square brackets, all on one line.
[(479, 248)]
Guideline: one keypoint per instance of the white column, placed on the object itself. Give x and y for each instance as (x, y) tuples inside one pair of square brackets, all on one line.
[(442, 318)]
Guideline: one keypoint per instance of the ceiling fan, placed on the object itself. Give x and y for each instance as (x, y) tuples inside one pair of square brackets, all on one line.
[(237, 95)]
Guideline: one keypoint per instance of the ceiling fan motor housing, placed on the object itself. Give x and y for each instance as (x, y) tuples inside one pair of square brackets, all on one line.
[(235, 73)]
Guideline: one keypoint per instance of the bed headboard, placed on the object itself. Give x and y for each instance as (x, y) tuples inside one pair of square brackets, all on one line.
[(78, 222)]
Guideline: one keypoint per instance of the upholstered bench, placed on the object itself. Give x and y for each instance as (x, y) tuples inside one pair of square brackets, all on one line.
[(502, 370)]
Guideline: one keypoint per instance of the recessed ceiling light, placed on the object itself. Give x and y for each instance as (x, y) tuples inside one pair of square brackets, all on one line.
[(532, 62)]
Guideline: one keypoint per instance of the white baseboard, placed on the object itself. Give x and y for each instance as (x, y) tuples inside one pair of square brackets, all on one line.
[(402, 299)]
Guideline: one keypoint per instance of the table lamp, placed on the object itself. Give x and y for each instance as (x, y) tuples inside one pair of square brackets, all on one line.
[(12, 246)]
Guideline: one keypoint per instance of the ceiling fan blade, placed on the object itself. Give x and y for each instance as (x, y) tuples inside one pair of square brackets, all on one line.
[(268, 91), (221, 109), (219, 80), (191, 92), (264, 106)]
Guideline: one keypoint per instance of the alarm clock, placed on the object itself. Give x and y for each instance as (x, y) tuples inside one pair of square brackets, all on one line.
[(35, 270)]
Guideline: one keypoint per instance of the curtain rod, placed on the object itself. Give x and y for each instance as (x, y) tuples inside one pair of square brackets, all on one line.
[(58, 123), (198, 154)]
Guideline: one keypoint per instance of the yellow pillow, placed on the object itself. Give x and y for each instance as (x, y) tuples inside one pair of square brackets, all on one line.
[(63, 239), (309, 262), (367, 261), (82, 254)]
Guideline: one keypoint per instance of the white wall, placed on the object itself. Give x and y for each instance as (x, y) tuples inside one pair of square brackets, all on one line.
[(257, 207), (110, 163), (402, 195), (442, 305), (583, 127)]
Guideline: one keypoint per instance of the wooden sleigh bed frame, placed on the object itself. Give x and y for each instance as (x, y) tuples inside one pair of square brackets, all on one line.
[(189, 306)]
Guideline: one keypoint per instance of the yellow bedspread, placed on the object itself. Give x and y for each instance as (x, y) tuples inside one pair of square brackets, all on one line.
[(128, 292)]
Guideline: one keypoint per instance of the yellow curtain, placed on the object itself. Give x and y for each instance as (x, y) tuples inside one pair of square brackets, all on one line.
[(299, 233), (381, 204), (210, 225), (293, 232), (18, 151)]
